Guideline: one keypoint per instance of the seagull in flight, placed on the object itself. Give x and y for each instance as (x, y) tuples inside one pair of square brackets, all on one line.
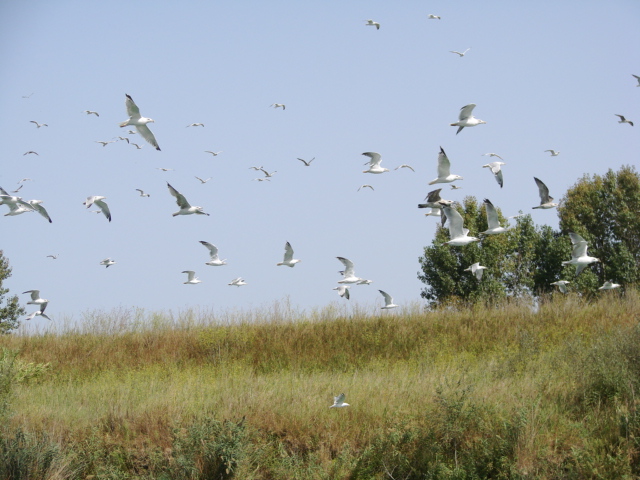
[(546, 201), (267, 174), (462, 54), (444, 170), (476, 269), (203, 181), (278, 105), (634, 76), (388, 301), (36, 205), (36, 300), (98, 200), (459, 235), (55, 257), (288, 260), (433, 17), (609, 286), (164, 169), (104, 144), (404, 165), (307, 164), (623, 120), (38, 124), (493, 223), (434, 200), (195, 125), (91, 112), (214, 260), (365, 186), (215, 154), (338, 402), (343, 291), (579, 255), (142, 194), (497, 172), (139, 122), (562, 285), (185, 207), (238, 282), (374, 163), (492, 155), (371, 23), (17, 189), (37, 313), (256, 168), (191, 277), (466, 118), (29, 96), (348, 274), (136, 145), (553, 153), (107, 262), (30, 152), (124, 139), (455, 187)]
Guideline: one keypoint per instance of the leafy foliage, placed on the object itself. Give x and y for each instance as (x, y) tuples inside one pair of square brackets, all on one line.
[(10, 312)]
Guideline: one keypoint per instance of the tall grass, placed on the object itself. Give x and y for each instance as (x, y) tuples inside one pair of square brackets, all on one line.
[(508, 391)]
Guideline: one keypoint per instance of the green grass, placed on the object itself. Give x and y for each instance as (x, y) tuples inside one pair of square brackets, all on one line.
[(505, 391)]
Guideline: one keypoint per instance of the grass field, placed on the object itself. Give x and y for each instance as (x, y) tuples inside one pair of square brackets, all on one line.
[(505, 391)]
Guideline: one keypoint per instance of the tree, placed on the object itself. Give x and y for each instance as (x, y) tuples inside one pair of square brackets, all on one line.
[(522, 261), (605, 211), (10, 312)]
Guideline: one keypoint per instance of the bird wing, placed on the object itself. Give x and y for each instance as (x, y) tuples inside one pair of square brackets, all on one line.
[(339, 399), (304, 161), (492, 214), (375, 157), (348, 266), (35, 294), (104, 207), (288, 252), (190, 274), (433, 196), (444, 165), (388, 300), (579, 245), (455, 221), (213, 250), (543, 191), (90, 201), (41, 210), (180, 200), (621, 116), (498, 176), (466, 111), (132, 109), (144, 131)]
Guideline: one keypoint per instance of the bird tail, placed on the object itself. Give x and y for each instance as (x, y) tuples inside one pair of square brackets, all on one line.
[(124, 124)]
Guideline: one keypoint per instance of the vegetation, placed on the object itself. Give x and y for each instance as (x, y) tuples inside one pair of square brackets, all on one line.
[(510, 391), (9, 312)]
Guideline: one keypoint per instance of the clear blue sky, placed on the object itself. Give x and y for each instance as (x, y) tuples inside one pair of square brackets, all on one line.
[(544, 75)]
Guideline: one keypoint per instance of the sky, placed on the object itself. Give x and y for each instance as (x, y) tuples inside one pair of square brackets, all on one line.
[(544, 75)]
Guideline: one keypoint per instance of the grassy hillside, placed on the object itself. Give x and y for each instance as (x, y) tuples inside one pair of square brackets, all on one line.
[(501, 392)]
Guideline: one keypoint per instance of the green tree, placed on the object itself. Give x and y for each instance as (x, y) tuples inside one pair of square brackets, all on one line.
[(10, 311), (522, 261), (605, 211)]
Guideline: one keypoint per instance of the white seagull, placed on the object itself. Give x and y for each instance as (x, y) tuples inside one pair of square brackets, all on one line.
[(349, 274), (562, 285), (444, 170), (142, 194), (107, 262), (307, 163), (98, 200), (623, 120), (434, 200), (195, 125), (546, 201), (338, 402), (455, 187), (433, 17), (55, 257), (136, 145), (459, 235), (288, 260), (91, 112), (214, 260), (364, 282), (30, 152), (38, 124), (493, 223), (371, 23), (36, 300), (124, 139), (609, 286), (476, 269), (238, 282), (366, 185), (215, 154), (388, 301), (579, 255), (374, 163), (497, 172), (404, 165), (203, 181), (185, 207), (466, 118), (164, 169), (267, 174), (278, 105), (37, 313), (553, 153), (17, 189), (343, 291), (139, 122), (191, 278), (462, 54), (104, 144), (492, 155)]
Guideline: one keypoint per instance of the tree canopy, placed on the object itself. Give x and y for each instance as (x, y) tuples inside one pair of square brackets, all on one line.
[(10, 309)]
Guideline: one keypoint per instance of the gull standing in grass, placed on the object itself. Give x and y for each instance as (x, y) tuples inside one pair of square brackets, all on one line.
[(466, 118), (142, 194), (459, 235), (553, 153), (579, 256), (562, 285), (493, 223), (374, 163), (371, 23), (98, 200), (38, 124), (214, 260), (623, 120), (608, 285), (185, 207), (343, 291), (496, 170), (36, 205), (388, 301), (139, 122), (107, 262), (307, 164), (338, 402), (191, 278), (238, 282), (349, 273), (546, 201), (476, 269), (288, 260), (444, 170), (404, 165), (462, 54)]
